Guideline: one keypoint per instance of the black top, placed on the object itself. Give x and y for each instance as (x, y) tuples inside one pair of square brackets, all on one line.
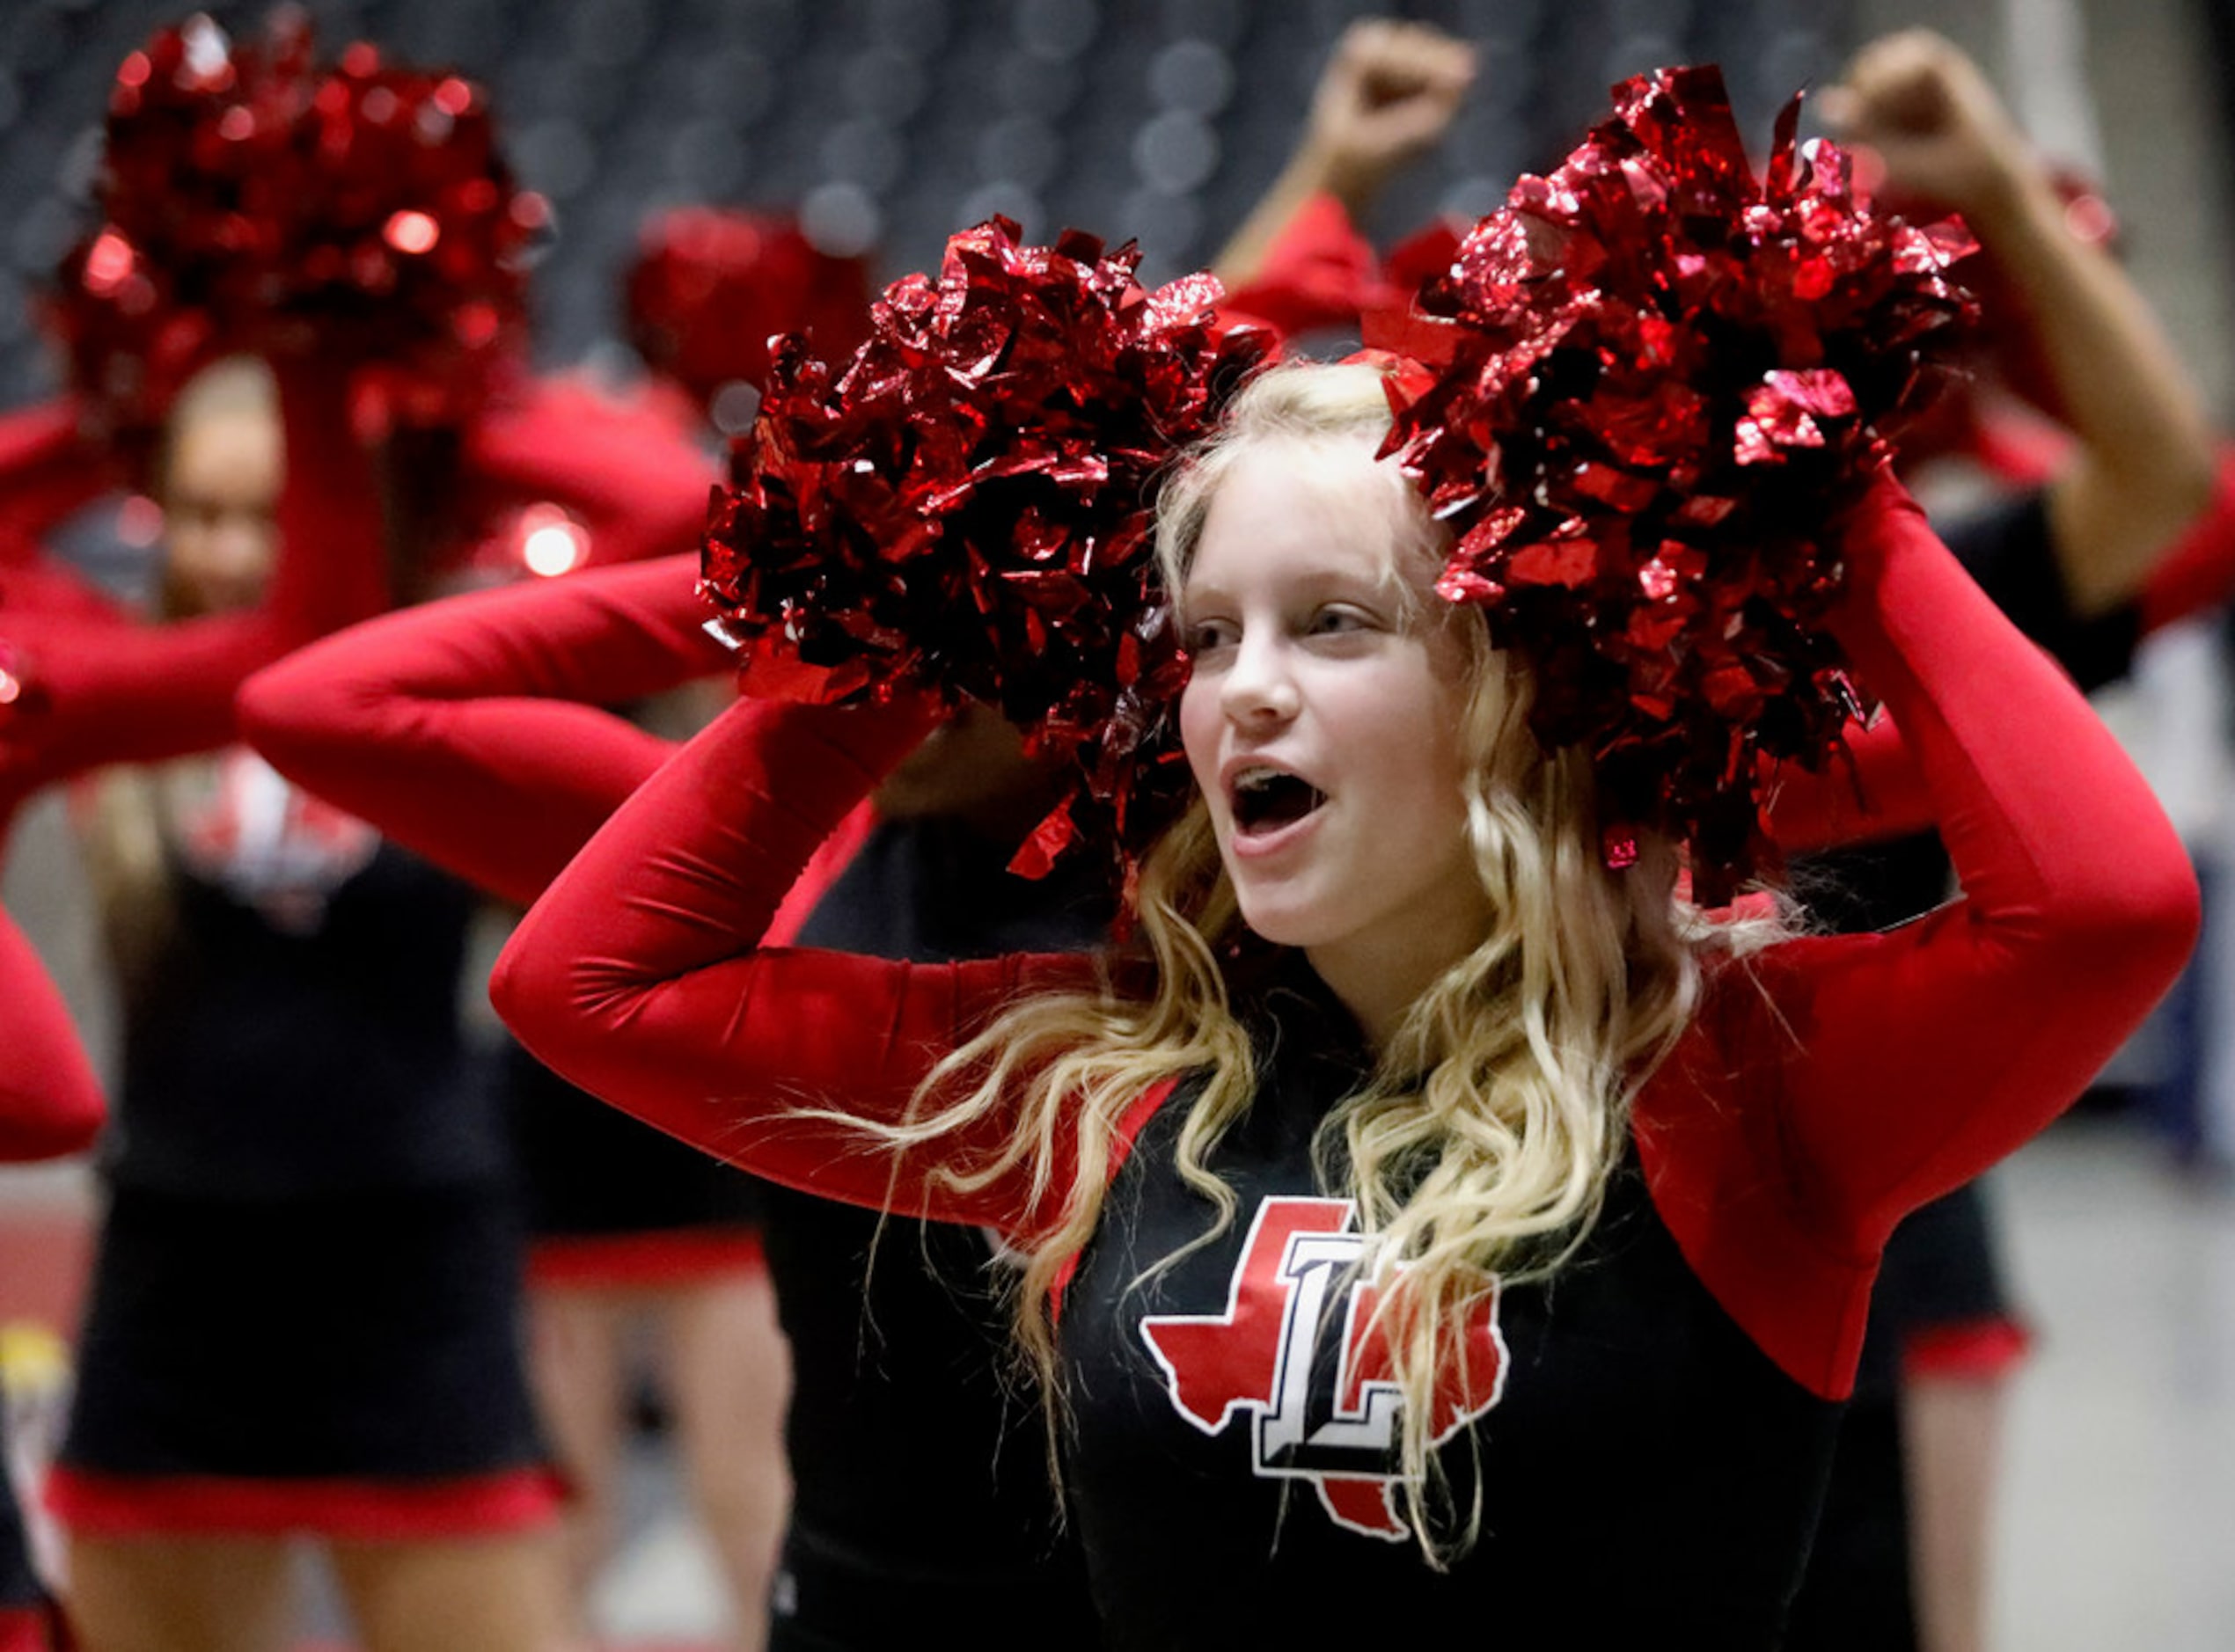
[(589, 1170), (918, 1467), (2009, 549), (298, 1033), (1648, 1477)]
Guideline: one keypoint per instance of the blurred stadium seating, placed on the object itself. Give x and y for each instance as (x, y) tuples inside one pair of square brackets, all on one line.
[(890, 122)]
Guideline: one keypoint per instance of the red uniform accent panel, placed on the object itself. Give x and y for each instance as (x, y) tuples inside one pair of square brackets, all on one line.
[(348, 1510)]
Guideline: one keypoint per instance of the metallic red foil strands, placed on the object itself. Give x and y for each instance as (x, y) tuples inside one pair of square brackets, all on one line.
[(1646, 387), (251, 200), (963, 506), (710, 288)]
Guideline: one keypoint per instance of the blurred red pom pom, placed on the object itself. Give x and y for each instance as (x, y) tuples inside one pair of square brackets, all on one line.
[(251, 201), (965, 506), (1652, 380), (711, 288)]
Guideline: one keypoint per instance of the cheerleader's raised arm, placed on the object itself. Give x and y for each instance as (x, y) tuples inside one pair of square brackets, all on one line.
[(473, 730), (638, 977), (47, 469), (638, 482), (1902, 1065), (98, 692), (50, 1103)]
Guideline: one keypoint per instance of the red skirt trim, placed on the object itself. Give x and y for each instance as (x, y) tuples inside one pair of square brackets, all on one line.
[(351, 1511), (680, 1256), (28, 1629), (1978, 1350)]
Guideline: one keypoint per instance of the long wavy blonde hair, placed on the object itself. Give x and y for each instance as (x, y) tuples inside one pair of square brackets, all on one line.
[(1481, 1146)]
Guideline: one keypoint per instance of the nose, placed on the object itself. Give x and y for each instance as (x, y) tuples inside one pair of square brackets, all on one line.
[(1259, 685)]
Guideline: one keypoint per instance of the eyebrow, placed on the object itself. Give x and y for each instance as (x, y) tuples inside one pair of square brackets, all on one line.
[(1386, 581)]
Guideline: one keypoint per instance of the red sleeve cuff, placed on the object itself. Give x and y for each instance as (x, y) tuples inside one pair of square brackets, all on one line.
[(1975, 1350)]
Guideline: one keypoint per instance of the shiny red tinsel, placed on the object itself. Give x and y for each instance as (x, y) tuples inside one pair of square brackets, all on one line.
[(965, 506), (250, 200), (710, 287), (1651, 380)]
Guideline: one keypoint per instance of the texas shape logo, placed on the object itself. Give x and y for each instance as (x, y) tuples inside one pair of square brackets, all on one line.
[(1317, 1384)]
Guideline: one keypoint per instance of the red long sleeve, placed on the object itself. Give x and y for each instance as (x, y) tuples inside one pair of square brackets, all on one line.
[(1318, 273), (636, 478), (2078, 895), (50, 1103), (637, 976), (101, 692), (1875, 1073), (47, 471), (472, 731), (43, 584)]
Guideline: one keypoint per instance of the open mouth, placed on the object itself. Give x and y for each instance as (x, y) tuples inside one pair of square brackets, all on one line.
[(1267, 800)]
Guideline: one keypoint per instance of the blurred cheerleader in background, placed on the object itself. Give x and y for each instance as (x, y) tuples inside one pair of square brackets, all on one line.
[(636, 1243), (2079, 414), (304, 1320)]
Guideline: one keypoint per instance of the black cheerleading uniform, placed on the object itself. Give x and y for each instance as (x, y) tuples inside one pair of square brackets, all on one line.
[(303, 1313), (608, 1202), (343, 1158), (921, 1492), (471, 729), (1224, 1404), (80, 685), (1941, 1282), (606, 1205), (1823, 1088)]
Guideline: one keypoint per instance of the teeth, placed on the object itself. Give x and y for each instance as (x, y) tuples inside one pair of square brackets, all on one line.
[(1256, 780)]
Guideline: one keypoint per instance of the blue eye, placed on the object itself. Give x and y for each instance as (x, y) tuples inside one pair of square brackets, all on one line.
[(1336, 621)]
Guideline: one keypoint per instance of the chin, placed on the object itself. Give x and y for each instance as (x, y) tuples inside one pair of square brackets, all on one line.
[(1286, 924)]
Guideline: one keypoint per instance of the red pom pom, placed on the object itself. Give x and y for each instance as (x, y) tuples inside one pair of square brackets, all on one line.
[(710, 288), (965, 506), (251, 201), (1654, 381)]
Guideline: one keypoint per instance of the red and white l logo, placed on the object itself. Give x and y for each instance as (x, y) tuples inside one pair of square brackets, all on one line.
[(1334, 1423)]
